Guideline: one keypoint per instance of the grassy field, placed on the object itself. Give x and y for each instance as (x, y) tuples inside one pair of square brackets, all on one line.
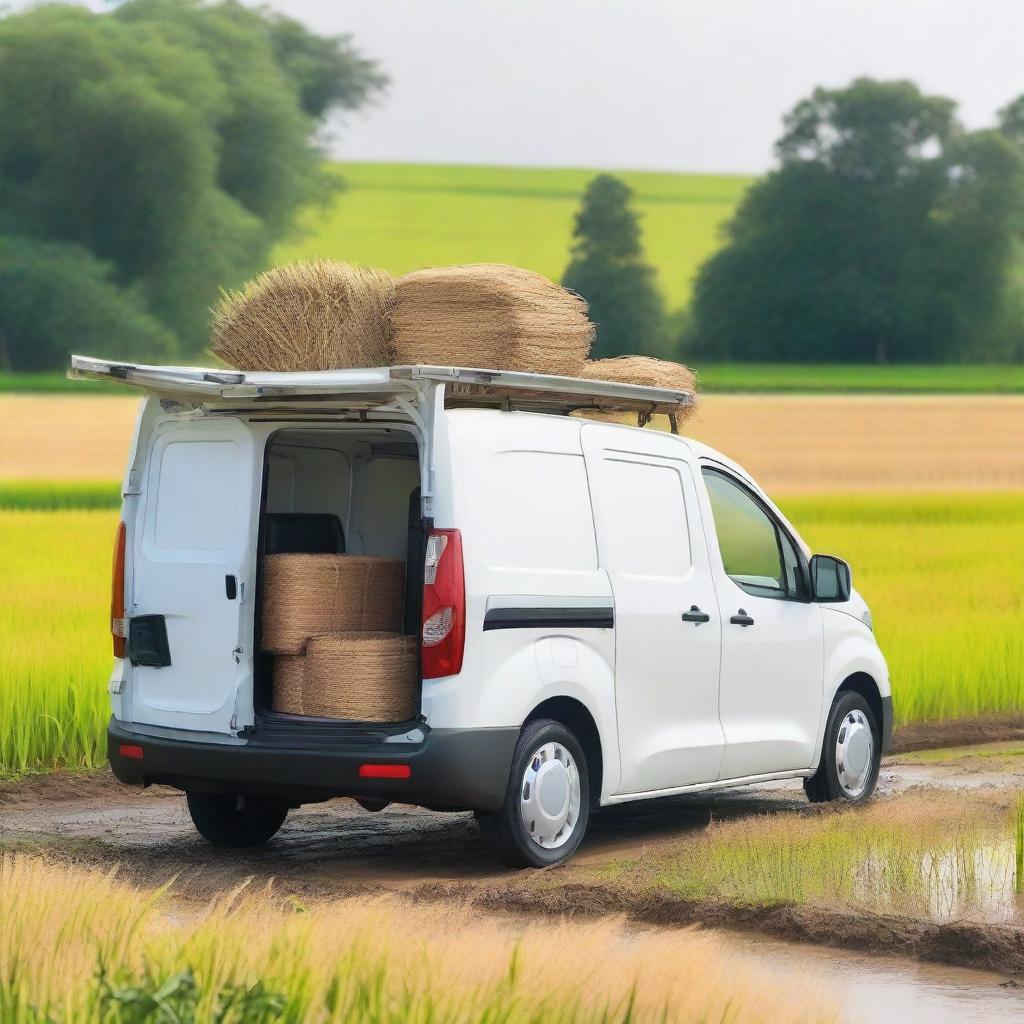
[(944, 576), (403, 216), (715, 378), (80, 947)]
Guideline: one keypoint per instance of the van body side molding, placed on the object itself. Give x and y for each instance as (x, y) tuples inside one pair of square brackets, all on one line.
[(550, 618)]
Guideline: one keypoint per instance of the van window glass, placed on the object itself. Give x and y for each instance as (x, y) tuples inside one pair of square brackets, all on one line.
[(533, 512), (646, 516), (747, 538), (197, 496)]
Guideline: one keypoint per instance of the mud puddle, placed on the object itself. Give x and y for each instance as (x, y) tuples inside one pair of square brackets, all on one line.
[(881, 990)]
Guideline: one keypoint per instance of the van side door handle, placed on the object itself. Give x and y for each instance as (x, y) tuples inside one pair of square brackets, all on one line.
[(696, 615), (741, 618)]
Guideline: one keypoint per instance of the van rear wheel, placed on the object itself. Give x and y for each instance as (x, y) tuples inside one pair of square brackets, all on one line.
[(236, 821), (547, 803)]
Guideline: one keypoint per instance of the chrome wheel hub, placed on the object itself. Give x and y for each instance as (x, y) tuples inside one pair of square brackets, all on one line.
[(855, 747), (549, 796)]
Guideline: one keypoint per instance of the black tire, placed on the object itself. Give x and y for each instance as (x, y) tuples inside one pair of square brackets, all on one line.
[(505, 829), (825, 784), (236, 821)]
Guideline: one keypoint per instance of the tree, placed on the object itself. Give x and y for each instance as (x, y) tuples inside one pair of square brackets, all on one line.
[(607, 268), (174, 140), (886, 234), (55, 296)]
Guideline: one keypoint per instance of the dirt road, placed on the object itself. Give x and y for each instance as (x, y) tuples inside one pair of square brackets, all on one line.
[(337, 848)]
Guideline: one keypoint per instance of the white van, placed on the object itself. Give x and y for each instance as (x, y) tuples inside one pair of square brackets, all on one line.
[(611, 613)]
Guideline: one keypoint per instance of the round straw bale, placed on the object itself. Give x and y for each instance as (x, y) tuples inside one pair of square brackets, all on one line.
[(321, 315), (289, 682), (492, 316), (304, 595), (368, 677), (646, 371)]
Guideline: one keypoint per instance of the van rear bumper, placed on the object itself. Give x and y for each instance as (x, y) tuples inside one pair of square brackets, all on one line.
[(450, 769)]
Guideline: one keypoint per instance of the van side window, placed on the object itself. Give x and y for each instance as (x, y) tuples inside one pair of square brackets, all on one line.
[(758, 557), (647, 518)]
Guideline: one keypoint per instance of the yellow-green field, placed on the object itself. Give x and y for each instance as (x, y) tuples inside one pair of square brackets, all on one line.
[(403, 216), (944, 575), (80, 947)]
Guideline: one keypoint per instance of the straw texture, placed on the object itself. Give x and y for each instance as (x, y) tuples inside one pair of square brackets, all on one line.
[(492, 316), (304, 595), (368, 677), (307, 316), (646, 371), (289, 683)]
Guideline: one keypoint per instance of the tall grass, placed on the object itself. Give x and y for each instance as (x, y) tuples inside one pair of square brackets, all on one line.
[(939, 855), (79, 946), (55, 654), (944, 576)]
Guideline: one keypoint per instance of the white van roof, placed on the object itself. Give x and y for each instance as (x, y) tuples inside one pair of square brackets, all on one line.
[(537, 391)]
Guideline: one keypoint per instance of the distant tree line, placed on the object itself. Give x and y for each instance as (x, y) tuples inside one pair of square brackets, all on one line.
[(888, 233), (149, 156)]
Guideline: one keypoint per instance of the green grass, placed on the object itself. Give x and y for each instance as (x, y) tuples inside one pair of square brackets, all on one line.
[(853, 379), (51, 495), (929, 855), (944, 575), (403, 216), (725, 378)]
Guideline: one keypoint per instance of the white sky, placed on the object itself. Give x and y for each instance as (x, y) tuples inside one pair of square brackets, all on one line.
[(696, 85)]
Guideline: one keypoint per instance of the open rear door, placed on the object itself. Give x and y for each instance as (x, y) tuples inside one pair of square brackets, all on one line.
[(191, 577)]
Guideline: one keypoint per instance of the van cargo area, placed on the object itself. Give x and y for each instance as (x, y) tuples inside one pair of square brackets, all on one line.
[(340, 575)]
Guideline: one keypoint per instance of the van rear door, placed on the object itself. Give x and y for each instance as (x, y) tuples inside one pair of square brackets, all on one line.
[(192, 573)]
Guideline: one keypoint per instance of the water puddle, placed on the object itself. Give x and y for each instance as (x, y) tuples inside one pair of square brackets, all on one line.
[(882, 990)]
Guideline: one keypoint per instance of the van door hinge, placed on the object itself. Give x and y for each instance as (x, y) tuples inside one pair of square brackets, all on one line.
[(237, 652)]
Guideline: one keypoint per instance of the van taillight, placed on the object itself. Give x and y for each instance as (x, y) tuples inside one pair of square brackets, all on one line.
[(444, 605), (118, 623)]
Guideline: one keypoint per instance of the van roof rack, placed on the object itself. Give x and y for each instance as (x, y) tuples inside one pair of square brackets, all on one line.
[(464, 386)]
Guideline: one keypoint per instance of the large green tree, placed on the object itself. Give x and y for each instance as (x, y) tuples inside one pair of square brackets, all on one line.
[(173, 140), (886, 234), (608, 269)]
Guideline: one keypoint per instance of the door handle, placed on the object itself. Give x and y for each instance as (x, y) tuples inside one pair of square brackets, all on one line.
[(741, 618), (696, 615), (230, 587)]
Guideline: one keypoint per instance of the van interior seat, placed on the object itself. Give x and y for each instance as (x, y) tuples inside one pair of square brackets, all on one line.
[(306, 533)]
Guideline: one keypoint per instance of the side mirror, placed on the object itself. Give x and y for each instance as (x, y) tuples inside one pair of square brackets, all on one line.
[(831, 580)]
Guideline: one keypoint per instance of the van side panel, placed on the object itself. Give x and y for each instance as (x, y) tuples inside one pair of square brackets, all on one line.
[(538, 606)]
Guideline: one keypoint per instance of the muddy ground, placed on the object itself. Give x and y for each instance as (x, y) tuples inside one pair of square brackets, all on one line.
[(338, 849)]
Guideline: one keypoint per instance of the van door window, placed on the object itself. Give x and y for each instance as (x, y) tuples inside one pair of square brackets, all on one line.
[(758, 557)]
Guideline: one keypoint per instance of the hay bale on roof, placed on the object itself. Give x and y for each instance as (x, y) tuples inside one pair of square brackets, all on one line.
[(648, 372), (492, 316), (321, 315)]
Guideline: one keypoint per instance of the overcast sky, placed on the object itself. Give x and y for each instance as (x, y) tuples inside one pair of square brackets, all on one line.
[(673, 84), (668, 84)]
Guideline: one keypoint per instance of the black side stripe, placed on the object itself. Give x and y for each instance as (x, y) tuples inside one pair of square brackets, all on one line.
[(549, 618)]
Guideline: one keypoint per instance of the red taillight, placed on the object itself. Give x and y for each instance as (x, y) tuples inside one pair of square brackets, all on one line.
[(132, 750), (118, 625), (444, 605), (385, 771)]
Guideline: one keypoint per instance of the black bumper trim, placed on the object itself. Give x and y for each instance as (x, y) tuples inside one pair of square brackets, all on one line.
[(886, 724), (452, 769)]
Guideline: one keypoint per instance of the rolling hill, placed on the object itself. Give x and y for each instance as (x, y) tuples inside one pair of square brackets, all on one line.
[(403, 216)]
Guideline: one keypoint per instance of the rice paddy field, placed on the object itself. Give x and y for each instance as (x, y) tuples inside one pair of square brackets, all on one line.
[(81, 946), (403, 216)]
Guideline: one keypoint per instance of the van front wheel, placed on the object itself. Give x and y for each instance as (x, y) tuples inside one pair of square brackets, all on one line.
[(236, 821), (851, 753), (547, 803)]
